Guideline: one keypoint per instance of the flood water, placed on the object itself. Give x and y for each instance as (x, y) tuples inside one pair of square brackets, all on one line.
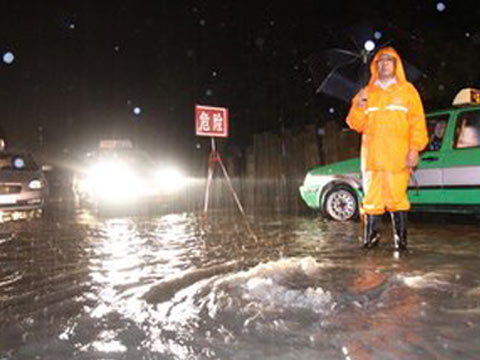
[(77, 286)]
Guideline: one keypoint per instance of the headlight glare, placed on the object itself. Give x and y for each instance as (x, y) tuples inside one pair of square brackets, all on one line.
[(171, 179)]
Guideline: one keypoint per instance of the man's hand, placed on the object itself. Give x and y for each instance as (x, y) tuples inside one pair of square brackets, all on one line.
[(362, 99), (412, 158)]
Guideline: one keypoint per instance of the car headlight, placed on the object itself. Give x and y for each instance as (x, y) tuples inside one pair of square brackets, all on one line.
[(170, 179), (35, 184), (311, 180), (316, 180)]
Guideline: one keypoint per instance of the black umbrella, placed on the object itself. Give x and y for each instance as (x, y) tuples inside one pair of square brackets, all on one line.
[(348, 72)]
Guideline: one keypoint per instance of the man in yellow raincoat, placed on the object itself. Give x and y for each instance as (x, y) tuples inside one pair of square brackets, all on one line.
[(389, 114)]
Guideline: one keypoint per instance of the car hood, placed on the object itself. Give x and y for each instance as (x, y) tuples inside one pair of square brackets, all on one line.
[(338, 168)]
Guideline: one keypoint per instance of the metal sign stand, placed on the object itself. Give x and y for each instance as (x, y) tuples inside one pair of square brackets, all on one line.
[(214, 158)]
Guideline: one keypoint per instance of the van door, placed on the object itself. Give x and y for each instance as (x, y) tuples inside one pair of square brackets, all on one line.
[(426, 184)]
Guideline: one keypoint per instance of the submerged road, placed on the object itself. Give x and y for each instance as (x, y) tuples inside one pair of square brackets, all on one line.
[(162, 286)]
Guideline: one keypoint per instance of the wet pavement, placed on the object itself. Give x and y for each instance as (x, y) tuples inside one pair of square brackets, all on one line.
[(164, 286)]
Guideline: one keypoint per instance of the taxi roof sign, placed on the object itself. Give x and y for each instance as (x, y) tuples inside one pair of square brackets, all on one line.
[(115, 144), (467, 96)]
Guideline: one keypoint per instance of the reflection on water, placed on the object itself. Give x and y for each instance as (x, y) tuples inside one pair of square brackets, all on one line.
[(164, 287)]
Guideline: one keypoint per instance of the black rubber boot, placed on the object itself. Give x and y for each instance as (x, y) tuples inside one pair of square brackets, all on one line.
[(371, 235), (399, 224)]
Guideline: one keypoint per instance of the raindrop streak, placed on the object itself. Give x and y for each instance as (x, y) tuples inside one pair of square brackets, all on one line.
[(369, 45), (8, 57), (441, 6)]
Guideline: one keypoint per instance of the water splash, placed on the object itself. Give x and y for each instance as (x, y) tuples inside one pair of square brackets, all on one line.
[(427, 280)]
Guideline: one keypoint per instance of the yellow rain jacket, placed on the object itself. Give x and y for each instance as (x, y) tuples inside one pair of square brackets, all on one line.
[(392, 123)]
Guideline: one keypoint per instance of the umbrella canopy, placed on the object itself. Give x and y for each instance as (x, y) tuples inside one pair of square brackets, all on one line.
[(348, 72)]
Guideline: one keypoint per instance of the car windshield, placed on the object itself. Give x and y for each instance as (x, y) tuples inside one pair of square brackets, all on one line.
[(17, 162)]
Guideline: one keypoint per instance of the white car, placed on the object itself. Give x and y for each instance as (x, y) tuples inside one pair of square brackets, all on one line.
[(124, 178)]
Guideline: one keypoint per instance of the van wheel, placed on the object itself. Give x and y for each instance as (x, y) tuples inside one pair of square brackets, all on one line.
[(340, 203)]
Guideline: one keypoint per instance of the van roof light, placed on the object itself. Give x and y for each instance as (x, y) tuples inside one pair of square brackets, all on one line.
[(467, 96)]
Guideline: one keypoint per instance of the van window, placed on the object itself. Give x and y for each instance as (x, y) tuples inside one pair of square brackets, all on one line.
[(468, 130), (436, 127)]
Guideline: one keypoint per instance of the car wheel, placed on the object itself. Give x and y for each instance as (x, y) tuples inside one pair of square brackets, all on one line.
[(340, 203)]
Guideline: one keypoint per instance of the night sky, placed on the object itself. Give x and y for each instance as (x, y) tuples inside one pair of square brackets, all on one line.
[(83, 70)]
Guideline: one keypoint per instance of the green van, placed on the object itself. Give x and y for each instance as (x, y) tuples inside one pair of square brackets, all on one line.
[(447, 178)]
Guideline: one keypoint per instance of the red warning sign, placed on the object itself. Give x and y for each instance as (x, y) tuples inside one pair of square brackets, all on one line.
[(211, 121)]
